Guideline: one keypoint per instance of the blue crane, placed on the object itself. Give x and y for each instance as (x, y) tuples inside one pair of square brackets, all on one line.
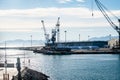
[(104, 11)]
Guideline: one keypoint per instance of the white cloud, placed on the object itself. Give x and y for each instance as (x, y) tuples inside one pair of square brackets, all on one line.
[(64, 1), (80, 0), (81, 12), (29, 19)]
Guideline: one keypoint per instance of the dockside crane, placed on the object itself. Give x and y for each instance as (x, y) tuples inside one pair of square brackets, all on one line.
[(56, 32), (58, 29), (104, 11), (45, 33)]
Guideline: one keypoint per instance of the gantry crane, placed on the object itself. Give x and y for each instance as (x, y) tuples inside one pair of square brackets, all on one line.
[(104, 11), (45, 33)]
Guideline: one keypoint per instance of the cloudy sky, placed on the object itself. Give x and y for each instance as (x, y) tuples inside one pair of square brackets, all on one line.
[(21, 18)]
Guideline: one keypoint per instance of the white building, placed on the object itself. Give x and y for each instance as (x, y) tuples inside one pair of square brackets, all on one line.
[(113, 43)]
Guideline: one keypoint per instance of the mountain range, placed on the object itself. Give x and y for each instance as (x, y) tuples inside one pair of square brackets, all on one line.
[(20, 42), (103, 38)]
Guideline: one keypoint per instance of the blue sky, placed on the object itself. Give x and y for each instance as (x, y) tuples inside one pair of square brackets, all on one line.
[(27, 4), (21, 18)]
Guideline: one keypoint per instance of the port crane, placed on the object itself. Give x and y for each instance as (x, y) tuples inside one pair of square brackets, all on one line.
[(54, 32), (58, 29), (53, 38), (45, 33), (104, 11)]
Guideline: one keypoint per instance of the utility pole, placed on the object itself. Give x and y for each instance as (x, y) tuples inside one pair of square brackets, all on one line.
[(5, 59), (31, 41), (65, 35), (24, 54), (79, 37), (109, 36), (88, 37)]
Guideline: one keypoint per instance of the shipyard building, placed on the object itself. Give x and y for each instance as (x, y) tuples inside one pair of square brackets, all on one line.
[(83, 44), (113, 43)]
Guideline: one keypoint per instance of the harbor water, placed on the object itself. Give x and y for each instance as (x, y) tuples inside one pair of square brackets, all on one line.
[(68, 67)]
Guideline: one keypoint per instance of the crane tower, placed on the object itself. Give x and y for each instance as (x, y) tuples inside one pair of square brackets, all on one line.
[(58, 29)]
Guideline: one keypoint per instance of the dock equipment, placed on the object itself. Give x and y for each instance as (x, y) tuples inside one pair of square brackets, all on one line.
[(55, 33), (58, 29), (105, 12), (45, 33)]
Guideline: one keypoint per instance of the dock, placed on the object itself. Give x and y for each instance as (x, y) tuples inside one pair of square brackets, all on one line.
[(39, 49), (99, 51), (79, 51)]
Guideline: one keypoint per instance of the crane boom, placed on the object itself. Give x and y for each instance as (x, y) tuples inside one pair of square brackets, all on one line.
[(103, 9), (45, 33)]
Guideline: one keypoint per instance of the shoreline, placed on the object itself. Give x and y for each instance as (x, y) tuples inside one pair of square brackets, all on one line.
[(106, 51), (76, 51)]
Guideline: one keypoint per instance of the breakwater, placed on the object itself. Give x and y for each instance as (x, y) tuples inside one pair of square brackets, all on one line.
[(39, 49)]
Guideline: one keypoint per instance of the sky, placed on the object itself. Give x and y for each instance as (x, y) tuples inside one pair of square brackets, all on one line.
[(19, 19)]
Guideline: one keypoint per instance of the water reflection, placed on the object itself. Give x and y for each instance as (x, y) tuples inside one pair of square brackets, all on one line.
[(119, 56), (70, 67), (12, 55)]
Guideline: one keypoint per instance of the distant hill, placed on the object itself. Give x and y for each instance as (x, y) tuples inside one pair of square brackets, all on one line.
[(19, 42), (104, 38)]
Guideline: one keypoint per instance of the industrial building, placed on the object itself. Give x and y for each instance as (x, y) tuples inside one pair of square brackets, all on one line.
[(99, 44), (113, 43)]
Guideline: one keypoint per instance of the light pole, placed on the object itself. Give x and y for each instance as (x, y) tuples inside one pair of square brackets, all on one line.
[(88, 37), (31, 41), (109, 36), (5, 59), (79, 37), (24, 54), (65, 35)]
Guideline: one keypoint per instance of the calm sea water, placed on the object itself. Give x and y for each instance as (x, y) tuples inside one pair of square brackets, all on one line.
[(70, 67)]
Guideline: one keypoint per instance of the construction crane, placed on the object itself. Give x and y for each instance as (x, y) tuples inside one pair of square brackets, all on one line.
[(57, 29), (104, 11), (45, 33)]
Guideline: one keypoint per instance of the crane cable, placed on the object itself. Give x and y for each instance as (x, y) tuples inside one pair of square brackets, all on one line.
[(107, 10), (100, 6), (92, 4)]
